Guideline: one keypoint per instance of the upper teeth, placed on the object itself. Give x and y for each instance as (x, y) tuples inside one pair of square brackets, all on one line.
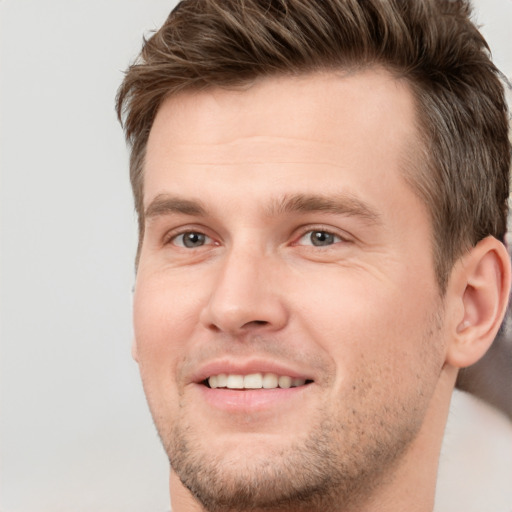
[(254, 381)]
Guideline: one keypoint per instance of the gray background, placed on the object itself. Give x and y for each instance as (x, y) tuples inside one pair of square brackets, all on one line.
[(75, 433)]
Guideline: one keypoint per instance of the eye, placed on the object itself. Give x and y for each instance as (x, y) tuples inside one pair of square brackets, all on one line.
[(191, 239), (319, 238)]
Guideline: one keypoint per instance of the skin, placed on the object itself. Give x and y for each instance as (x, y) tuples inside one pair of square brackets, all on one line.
[(252, 174)]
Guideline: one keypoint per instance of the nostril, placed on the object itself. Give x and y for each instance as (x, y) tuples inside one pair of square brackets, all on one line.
[(255, 323)]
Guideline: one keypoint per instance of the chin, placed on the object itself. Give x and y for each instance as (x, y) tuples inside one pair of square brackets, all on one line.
[(300, 472)]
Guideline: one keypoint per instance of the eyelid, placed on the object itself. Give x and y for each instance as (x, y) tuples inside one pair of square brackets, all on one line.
[(327, 229), (174, 233), (207, 240)]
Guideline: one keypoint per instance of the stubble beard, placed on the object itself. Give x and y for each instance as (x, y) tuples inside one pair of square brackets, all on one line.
[(337, 467), (345, 457)]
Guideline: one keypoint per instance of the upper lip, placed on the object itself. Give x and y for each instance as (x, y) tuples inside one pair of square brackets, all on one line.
[(246, 367)]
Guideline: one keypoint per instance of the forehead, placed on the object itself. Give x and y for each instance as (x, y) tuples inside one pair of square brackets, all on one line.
[(347, 120)]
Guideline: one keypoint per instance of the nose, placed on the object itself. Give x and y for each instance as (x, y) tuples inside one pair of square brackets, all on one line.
[(245, 295)]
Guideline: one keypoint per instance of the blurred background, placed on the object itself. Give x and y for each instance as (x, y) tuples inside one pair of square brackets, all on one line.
[(75, 432)]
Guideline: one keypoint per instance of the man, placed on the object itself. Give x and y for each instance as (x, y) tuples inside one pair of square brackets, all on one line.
[(321, 189)]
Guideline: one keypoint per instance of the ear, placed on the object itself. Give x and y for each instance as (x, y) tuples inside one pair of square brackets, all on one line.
[(479, 287), (135, 353)]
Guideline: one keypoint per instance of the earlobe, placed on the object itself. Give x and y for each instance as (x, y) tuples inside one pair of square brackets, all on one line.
[(481, 279)]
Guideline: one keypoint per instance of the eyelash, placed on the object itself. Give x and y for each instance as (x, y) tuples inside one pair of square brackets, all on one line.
[(173, 236), (321, 229)]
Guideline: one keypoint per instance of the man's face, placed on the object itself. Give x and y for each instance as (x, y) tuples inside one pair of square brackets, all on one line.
[(284, 247)]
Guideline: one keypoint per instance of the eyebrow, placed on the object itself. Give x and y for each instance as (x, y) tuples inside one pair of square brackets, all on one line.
[(164, 204), (341, 204)]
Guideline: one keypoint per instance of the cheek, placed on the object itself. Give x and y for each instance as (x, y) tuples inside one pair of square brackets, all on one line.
[(163, 312), (385, 346), (360, 322), (161, 327), (164, 321)]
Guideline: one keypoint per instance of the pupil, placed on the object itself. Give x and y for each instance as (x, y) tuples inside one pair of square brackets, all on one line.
[(193, 239), (319, 238)]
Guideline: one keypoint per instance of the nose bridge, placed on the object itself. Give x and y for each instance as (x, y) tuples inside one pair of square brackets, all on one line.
[(245, 294)]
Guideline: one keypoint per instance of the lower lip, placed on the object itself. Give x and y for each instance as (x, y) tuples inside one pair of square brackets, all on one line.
[(250, 400)]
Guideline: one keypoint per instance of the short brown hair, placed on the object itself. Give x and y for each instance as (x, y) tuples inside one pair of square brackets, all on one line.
[(462, 171)]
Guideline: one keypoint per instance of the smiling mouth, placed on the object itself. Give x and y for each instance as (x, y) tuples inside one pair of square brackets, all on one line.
[(254, 381)]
